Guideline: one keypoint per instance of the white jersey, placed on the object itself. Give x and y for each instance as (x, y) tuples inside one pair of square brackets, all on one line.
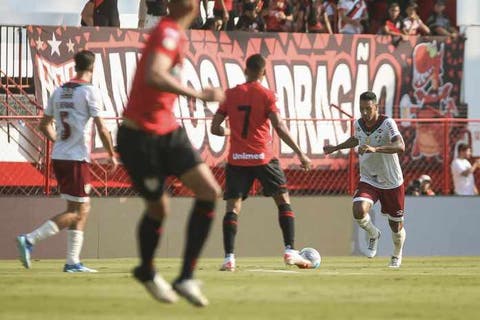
[(381, 170), (462, 185), (353, 9), (73, 105)]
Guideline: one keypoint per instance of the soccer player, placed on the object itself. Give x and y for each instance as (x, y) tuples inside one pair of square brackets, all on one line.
[(153, 146), (251, 110), (381, 177), (71, 106)]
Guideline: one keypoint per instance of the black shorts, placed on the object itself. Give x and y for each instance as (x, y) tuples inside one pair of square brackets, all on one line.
[(239, 180), (150, 158)]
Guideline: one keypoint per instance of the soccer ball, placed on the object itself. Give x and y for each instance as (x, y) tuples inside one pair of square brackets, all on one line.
[(312, 255)]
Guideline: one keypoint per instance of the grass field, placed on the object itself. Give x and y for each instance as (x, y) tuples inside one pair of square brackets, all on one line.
[(262, 288)]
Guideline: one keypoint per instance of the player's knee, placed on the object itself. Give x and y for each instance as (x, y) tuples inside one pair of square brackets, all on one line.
[(210, 193)]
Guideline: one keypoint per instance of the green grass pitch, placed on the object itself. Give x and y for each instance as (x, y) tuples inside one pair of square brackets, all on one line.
[(261, 288)]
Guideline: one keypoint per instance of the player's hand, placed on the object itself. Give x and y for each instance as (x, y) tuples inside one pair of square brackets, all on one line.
[(212, 94), (328, 149), (365, 148), (306, 162)]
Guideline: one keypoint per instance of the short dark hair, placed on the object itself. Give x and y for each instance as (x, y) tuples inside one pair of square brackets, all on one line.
[(369, 96), (84, 61), (413, 5), (256, 62), (462, 147)]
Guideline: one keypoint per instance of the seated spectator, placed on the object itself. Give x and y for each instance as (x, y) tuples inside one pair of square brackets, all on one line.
[(439, 23), (317, 17), (413, 188), (224, 9), (412, 24), (422, 186), (462, 171), (352, 15), (250, 20), (278, 15)]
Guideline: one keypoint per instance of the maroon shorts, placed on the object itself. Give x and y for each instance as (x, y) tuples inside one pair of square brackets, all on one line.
[(73, 178), (392, 200)]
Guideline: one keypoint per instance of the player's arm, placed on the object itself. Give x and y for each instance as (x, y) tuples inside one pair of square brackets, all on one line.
[(396, 145), (284, 134), (216, 127), (472, 169), (158, 76), (46, 127), (106, 140), (351, 142)]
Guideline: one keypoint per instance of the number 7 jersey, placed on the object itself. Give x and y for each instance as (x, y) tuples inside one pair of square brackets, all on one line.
[(73, 105), (247, 107)]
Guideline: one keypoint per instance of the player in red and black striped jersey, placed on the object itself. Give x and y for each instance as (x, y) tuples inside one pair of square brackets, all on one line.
[(153, 146), (251, 111)]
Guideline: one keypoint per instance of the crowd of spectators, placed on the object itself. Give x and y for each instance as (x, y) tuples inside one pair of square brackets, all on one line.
[(399, 19)]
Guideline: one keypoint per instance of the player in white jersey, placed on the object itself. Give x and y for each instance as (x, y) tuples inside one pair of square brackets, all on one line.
[(72, 107), (381, 177)]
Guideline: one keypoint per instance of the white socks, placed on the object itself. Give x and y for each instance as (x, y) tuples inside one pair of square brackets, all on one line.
[(398, 241), (74, 246), (367, 225), (46, 230)]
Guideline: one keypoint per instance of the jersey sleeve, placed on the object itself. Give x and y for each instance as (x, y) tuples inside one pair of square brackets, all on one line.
[(94, 103), (271, 103), (392, 128), (223, 108), (166, 40)]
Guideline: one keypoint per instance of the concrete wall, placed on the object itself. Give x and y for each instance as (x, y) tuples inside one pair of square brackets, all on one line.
[(322, 222)]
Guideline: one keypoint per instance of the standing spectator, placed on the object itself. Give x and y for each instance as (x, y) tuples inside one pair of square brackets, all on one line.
[(87, 14), (439, 23), (150, 12), (412, 24), (153, 146), (462, 171), (251, 110), (381, 177), (278, 15), (224, 10), (393, 25), (317, 18), (250, 20), (106, 13), (351, 16), (71, 106)]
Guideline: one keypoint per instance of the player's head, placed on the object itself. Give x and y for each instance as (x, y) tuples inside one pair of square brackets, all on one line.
[(255, 67), (368, 106), (84, 61), (183, 9), (464, 150)]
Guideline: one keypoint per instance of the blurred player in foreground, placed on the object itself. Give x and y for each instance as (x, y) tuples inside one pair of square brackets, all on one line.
[(153, 146), (71, 106), (381, 177), (251, 110)]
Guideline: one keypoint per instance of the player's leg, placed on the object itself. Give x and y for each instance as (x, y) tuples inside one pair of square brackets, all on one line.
[(363, 200), (393, 203), (229, 228)]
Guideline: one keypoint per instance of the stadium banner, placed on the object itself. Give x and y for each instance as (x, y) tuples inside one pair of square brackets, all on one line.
[(317, 77)]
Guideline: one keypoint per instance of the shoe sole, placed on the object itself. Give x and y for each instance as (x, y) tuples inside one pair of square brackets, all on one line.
[(24, 254), (150, 286)]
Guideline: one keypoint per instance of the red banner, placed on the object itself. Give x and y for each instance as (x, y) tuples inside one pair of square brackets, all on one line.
[(316, 77)]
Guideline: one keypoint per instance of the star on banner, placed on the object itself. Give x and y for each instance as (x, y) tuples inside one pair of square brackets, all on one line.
[(39, 44), (70, 45), (54, 44)]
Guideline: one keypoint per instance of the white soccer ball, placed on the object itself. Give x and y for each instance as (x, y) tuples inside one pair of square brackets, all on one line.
[(312, 255)]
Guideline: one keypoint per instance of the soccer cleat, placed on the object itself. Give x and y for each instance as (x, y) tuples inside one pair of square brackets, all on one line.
[(373, 245), (228, 264), (77, 267), (190, 289), (395, 262), (292, 257), (24, 249), (160, 289)]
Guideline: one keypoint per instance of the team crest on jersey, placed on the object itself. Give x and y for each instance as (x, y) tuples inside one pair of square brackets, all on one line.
[(151, 184), (170, 42), (87, 188)]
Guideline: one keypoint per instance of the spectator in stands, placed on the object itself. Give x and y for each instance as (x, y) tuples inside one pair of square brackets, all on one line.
[(224, 9), (317, 18), (299, 15), (278, 15), (439, 23), (352, 16), (214, 24), (87, 14), (106, 13), (393, 25), (422, 186), (250, 20), (71, 107), (150, 12), (462, 171), (412, 24)]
